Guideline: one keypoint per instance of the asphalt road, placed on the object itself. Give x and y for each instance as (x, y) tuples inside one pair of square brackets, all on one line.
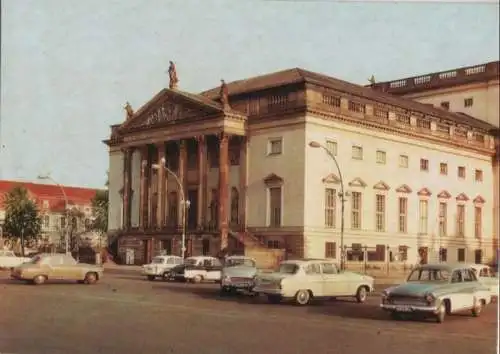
[(127, 314)]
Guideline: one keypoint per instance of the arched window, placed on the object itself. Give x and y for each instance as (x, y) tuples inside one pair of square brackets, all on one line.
[(235, 200)]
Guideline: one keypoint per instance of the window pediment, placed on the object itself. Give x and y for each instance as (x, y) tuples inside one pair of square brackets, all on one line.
[(331, 178), (424, 192), (479, 200), (273, 179), (357, 182), (444, 195), (404, 188), (382, 186), (462, 197)]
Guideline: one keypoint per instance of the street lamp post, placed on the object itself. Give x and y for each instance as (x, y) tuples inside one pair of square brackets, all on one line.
[(315, 144), (66, 236), (185, 203)]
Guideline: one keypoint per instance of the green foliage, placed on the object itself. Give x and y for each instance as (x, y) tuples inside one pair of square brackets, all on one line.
[(100, 211), (21, 214)]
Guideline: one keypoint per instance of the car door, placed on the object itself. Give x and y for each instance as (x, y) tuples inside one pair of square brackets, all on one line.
[(332, 284), (213, 268), (461, 297), (312, 279)]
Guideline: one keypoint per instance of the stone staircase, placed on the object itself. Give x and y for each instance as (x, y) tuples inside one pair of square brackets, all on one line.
[(255, 248)]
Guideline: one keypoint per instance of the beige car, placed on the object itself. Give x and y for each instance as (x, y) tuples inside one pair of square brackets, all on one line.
[(46, 267)]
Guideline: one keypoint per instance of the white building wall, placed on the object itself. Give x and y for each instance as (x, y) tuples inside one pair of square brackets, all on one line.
[(115, 184), (318, 165)]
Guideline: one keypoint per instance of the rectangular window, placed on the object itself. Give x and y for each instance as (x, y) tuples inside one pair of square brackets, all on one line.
[(443, 254), (46, 221), (331, 146), (443, 219), (381, 157), (445, 105), (330, 204), (357, 152), (461, 255), (403, 161), (274, 244), (461, 172), (468, 102), (478, 175), (275, 206), (478, 222), (403, 214), (443, 168), (424, 165), (461, 220), (330, 250), (356, 210), (403, 253), (423, 216), (380, 213), (275, 146), (63, 222)]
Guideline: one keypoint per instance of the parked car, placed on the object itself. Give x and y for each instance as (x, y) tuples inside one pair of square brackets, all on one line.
[(487, 276), (238, 274), (303, 280), (435, 290), (8, 259), (197, 269), (161, 266), (47, 267)]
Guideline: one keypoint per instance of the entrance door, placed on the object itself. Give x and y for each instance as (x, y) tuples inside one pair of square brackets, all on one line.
[(478, 256), (192, 215)]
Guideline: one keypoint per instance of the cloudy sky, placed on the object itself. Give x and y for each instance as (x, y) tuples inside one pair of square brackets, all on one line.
[(68, 66)]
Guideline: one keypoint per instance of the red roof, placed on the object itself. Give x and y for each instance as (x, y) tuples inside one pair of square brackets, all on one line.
[(51, 193)]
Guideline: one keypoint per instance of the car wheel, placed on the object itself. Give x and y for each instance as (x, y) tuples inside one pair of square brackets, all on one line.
[(39, 279), (197, 279), (441, 314), (361, 294), (151, 277), (478, 308), (166, 276), (274, 299), (224, 291), (302, 297), (90, 278)]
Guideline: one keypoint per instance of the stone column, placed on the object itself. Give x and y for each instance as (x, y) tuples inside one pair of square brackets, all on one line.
[(127, 186), (223, 188), (242, 207), (160, 210), (202, 180), (182, 178), (143, 189)]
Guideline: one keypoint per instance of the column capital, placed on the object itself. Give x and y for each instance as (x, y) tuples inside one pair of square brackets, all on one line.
[(223, 137)]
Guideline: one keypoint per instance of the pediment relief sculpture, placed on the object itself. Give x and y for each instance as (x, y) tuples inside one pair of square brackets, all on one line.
[(273, 179), (424, 192), (444, 195), (357, 182), (382, 186), (404, 188), (479, 200), (462, 197), (331, 179)]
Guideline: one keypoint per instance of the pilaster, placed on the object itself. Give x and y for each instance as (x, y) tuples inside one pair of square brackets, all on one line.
[(242, 207), (223, 188), (202, 180), (160, 210)]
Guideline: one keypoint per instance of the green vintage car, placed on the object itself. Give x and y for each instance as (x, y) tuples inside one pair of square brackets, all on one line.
[(436, 290)]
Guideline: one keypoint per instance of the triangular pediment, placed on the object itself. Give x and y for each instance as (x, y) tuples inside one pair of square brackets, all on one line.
[(381, 186), (424, 192), (479, 200), (273, 179), (404, 188), (444, 195), (357, 182), (331, 178), (170, 106), (462, 197)]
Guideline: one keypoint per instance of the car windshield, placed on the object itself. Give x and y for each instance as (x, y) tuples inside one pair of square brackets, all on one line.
[(157, 260), (437, 275), (190, 261), (240, 262), (288, 268)]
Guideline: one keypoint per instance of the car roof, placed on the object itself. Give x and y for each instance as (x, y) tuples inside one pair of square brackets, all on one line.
[(445, 266), (307, 260)]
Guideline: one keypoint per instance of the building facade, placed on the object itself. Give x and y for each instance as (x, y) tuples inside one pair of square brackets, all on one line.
[(417, 180), (51, 205)]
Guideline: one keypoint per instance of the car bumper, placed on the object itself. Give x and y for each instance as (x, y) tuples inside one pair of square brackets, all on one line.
[(409, 308), (268, 291), (242, 286)]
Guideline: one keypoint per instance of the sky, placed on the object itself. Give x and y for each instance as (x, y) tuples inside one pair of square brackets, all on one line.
[(69, 66)]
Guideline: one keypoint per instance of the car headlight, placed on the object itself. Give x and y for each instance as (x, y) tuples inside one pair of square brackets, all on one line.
[(429, 298)]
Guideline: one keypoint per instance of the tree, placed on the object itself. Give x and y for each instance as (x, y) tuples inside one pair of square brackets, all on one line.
[(22, 219), (100, 211)]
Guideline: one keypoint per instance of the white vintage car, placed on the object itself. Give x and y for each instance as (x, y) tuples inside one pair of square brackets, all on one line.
[(8, 259), (437, 290), (160, 267), (197, 269), (238, 274), (486, 276), (303, 280)]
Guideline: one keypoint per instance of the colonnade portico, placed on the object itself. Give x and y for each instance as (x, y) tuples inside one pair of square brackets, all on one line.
[(155, 207)]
